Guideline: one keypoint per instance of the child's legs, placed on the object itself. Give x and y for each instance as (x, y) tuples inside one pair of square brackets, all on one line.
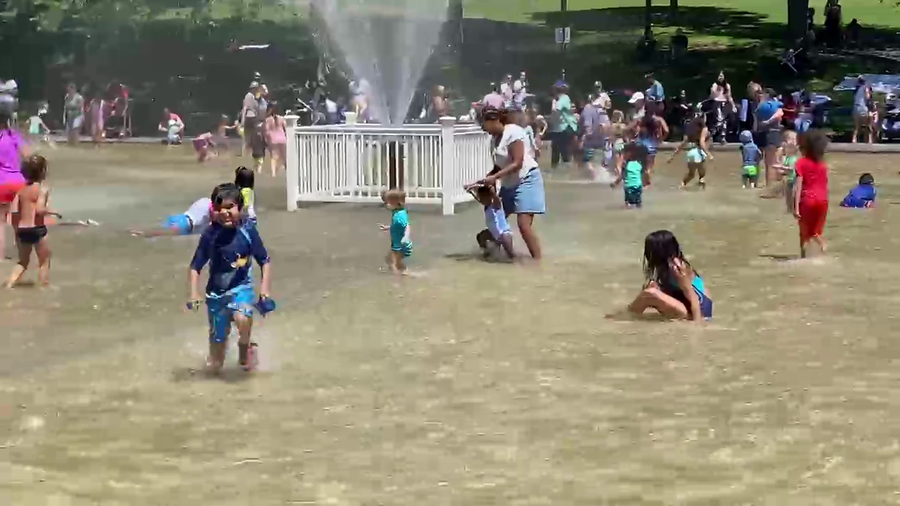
[(4, 213), (22, 265), (666, 305), (526, 228), (397, 261), (244, 325), (692, 169), (701, 171), (43, 254), (651, 162)]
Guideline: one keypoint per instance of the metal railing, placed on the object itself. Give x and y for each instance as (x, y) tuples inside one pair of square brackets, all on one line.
[(358, 163)]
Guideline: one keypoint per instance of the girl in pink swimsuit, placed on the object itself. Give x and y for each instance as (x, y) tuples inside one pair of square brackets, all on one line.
[(276, 138)]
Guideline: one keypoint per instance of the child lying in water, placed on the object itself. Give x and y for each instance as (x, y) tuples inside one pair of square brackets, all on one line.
[(863, 195), (673, 287)]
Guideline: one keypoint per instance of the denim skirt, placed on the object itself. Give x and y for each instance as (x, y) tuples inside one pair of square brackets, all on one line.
[(527, 197)]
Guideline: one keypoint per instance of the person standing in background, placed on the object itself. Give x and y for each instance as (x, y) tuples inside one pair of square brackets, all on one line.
[(250, 113), (656, 95), (520, 91), (564, 127), (73, 113), (769, 114), (506, 90), (720, 94)]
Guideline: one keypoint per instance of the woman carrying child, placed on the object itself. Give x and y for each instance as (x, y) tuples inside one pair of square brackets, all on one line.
[(522, 186)]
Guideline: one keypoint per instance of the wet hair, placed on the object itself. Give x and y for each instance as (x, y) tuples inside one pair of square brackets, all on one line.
[(618, 116), (272, 109), (813, 144), (34, 169), (650, 124), (225, 192), (694, 128), (634, 151), (866, 179), (660, 248), (396, 196), (504, 116), (224, 119), (243, 177), (485, 192)]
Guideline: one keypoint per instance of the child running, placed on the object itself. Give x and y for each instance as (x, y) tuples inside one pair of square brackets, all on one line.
[(244, 179), (497, 232), (673, 287), (863, 195), (751, 156), (229, 246), (401, 243), (811, 190), (31, 231), (634, 176), (787, 157), (193, 221), (696, 144)]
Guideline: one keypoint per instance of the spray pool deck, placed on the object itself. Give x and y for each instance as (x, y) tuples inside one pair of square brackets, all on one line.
[(474, 383)]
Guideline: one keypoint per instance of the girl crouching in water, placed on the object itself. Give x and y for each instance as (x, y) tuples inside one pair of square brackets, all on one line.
[(673, 287)]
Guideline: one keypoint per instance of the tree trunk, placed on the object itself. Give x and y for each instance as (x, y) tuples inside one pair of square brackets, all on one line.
[(648, 17), (673, 10), (797, 19)]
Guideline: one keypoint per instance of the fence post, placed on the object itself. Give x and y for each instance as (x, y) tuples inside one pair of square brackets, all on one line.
[(292, 163), (449, 165)]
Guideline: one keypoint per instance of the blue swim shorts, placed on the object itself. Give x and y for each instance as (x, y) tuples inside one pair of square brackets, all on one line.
[(633, 195), (405, 248), (221, 309), (696, 155), (180, 223)]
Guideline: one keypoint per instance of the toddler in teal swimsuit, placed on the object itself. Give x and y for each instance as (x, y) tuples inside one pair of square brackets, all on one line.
[(401, 244)]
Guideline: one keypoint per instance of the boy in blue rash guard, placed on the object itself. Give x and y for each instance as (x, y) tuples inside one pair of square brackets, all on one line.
[(863, 195), (229, 245)]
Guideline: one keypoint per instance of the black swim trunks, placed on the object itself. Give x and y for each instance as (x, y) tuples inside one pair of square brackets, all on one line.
[(31, 235)]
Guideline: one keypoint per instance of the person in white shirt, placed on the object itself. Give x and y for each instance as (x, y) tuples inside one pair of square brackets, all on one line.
[(506, 90), (520, 91), (521, 183)]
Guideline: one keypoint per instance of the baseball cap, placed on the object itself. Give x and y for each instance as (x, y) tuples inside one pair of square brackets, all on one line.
[(637, 96)]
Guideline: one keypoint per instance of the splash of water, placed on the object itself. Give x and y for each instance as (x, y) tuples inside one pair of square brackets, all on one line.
[(386, 43)]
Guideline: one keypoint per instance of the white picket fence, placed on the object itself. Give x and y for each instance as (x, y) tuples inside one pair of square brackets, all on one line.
[(358, 163)]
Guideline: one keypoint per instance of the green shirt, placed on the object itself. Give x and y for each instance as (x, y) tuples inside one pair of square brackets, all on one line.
[(791, 163), (566, 114), (633, 175)]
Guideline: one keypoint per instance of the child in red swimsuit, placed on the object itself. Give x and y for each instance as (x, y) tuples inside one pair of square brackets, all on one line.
[(811, 190)]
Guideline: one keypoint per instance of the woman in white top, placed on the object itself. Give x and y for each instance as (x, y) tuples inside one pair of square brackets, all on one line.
[(723, 101), (521, 184)]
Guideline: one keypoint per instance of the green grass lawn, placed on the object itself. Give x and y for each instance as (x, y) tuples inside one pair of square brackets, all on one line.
[(868, 12)]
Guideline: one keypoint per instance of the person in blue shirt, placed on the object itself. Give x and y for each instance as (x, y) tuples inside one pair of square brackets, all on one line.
[(751, 156), (673, 287), (229, 245), (401, 244), (656, 95), (863, 195)]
